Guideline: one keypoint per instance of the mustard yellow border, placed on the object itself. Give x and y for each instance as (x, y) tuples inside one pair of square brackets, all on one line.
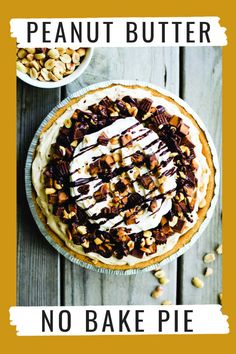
[(10, 343)]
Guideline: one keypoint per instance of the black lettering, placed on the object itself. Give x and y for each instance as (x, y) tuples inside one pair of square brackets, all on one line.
[(163, 31), (67, 321), (187, 320), (45, 31), (107, 322), (45, 320), (32, 27), (176, 321), (108, 30), (131, 28), (204, 31), (151, 36), (60, 33), (91, 320), (122, 320), (163, 319), (138, 321), (189, 32), (74, 32), (176, 24), (95, 34)]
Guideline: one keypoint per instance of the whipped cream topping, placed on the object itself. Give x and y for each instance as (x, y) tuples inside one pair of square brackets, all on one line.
[(143, 140), (49, 137)]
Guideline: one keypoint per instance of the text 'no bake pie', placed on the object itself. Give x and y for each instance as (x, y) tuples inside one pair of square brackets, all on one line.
[(123, 175)]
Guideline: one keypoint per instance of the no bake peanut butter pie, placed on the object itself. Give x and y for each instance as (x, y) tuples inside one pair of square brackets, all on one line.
[(123, 177)]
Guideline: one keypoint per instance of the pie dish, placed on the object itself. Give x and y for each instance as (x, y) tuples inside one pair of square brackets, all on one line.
[(123, 177)]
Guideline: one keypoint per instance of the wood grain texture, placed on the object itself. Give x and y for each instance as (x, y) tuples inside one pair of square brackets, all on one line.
[(38, 264), (44, 277), (201, 88), (159, 66)]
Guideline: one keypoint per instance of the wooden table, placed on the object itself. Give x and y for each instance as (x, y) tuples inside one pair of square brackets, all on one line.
[(46, 278)]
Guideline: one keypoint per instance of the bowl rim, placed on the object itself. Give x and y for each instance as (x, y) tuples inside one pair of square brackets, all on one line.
[(29, 186), (66, 80)]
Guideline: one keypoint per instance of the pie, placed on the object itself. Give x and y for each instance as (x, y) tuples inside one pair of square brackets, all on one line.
[(123, 177)]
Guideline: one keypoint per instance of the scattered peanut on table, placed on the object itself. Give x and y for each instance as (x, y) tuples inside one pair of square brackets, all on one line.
[(157, 292), (219, 249), (209, 257), (166, 302), (197, 282), (208, 271)]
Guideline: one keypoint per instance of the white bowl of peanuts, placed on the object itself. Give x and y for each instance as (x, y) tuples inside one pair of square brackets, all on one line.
[(51, 67)]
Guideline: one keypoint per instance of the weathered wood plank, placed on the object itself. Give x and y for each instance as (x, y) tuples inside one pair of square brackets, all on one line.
[(203, 93), (38, 265), (159, 66), (202, 90)]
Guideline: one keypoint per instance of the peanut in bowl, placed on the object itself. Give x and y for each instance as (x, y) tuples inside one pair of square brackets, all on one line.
[(51, 68)]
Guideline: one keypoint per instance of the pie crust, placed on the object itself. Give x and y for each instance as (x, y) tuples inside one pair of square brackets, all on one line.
[(185, 238)]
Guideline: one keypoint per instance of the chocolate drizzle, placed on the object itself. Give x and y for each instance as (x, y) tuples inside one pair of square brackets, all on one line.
[(81, 181), (173, 135), (130, 128), (83, 150)]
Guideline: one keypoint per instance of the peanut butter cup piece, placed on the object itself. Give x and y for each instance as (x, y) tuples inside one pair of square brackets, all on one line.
[(101, 110), (57, 151), (160, 119), (120, 104), (179, 226), (103, 139), (84, 189), (159, 236), (163, 220), (137, 253), (184, 129), (52, 198), (151, 162), (126, 140), (78, 134), (107, 161), (167, 230), (153, 205), (95, 168), (106, 101), (145, 105), (130, 100), (124, 200), (62, 197), (146, 182), (191, 179), (101, 194), (98, 196), (134, 199), (105, 188), (152, 248), (138, 158), (130, 220), (62, 168), (175, 121), (121, 185)]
